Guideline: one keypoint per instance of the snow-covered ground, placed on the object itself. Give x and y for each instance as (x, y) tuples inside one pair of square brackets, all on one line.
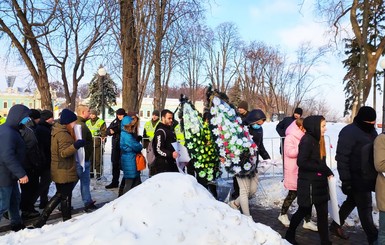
[(175, 209)]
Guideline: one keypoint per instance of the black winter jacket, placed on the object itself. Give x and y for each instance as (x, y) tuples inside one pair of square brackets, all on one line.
[(312, 170), (116, 127), (12, 150), (283, 125), (163, 149), (349, 154), (33, 160), (43, 135)]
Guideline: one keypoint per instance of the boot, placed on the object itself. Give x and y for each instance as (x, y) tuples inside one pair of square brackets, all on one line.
[(121, 187), (290, 236), (52, 204), (66, 208)]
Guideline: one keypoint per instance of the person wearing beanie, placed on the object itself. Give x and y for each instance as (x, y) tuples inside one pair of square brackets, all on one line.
[(354, 148), (83, 113), (32, 163), (12, 152), (35, 116), (63, 166), (243, 109), (98, 129), (114, 130), (284, 124), (43, 136)]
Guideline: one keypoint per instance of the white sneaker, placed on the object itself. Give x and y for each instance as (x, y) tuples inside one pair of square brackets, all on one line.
[(310, 225), (284, 220), (233, 205)]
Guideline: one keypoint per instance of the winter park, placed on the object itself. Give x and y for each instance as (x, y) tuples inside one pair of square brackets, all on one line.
[(192, 122)]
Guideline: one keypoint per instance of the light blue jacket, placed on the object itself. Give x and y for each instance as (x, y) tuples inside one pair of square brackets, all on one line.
[(129, 147)]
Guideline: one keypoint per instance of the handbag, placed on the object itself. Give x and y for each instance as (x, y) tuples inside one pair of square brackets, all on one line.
[(140, 162)]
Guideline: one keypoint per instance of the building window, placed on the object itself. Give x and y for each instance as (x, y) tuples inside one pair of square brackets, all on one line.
[(141, 114), (148, 113), (5, 106)]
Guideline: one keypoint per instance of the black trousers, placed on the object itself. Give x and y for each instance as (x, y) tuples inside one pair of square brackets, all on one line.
[(115, 160), (29, 192), (322, 220), (363, 202), (44, 183)]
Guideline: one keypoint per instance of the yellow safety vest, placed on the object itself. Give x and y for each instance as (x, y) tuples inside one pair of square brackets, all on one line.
[(150, 130), (95, 129), (2, 120), (179, 134)]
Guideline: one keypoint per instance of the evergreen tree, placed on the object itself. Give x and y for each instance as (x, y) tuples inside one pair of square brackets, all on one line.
[(98, 85)]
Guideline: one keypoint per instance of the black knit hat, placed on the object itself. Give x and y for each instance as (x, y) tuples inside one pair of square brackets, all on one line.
[(244, 105), (298, 111), (67, 117), (35, 114), (120, 111), (46, 114), (366, 113)]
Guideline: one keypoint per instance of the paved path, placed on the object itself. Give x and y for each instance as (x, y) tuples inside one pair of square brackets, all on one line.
[(269, 218)]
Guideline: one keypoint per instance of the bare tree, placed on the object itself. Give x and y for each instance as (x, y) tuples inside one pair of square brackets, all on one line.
[(78, 34), (24, 25), (359, 15), (191, 60), (222, 50)]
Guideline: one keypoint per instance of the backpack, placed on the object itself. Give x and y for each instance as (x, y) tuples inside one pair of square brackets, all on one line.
[(140, 162), (150, 153), (369, 173)]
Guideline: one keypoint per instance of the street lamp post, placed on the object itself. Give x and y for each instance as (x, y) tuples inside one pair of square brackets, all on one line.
[(382, 64), (102, 72)]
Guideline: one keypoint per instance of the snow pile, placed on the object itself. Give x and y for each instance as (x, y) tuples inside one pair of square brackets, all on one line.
[(169, 208)]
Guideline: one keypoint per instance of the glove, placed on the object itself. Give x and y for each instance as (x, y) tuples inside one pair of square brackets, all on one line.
[(79, 143), (346, 187)]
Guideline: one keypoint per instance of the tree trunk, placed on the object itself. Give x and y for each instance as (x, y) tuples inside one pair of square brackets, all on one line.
[(160, 6), (129, 56)]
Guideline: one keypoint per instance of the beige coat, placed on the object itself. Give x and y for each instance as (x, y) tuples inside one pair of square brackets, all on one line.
[(63, 164), (379, 163)]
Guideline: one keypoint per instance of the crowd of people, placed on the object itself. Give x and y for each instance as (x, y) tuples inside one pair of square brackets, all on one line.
[(37, 150)]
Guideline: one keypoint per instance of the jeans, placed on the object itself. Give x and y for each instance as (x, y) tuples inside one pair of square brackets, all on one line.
[(10, 201), (381, 230), (85, 181)]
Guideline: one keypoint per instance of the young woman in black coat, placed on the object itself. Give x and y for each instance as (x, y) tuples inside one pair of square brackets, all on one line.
[(313, 174)]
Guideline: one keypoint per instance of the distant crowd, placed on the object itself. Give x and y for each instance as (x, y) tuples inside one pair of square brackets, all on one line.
[(37, 149)]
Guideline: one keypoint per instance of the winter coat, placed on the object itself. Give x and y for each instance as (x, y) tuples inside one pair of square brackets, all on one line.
[(379, 164), (116, 127), (63, 163), (312, 185), (129, 146), (293, 137), (43, 135), (87, 136), (349, 153), (283, 125), (257, 134), (34, 158), (163, 149), (12, 150)]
